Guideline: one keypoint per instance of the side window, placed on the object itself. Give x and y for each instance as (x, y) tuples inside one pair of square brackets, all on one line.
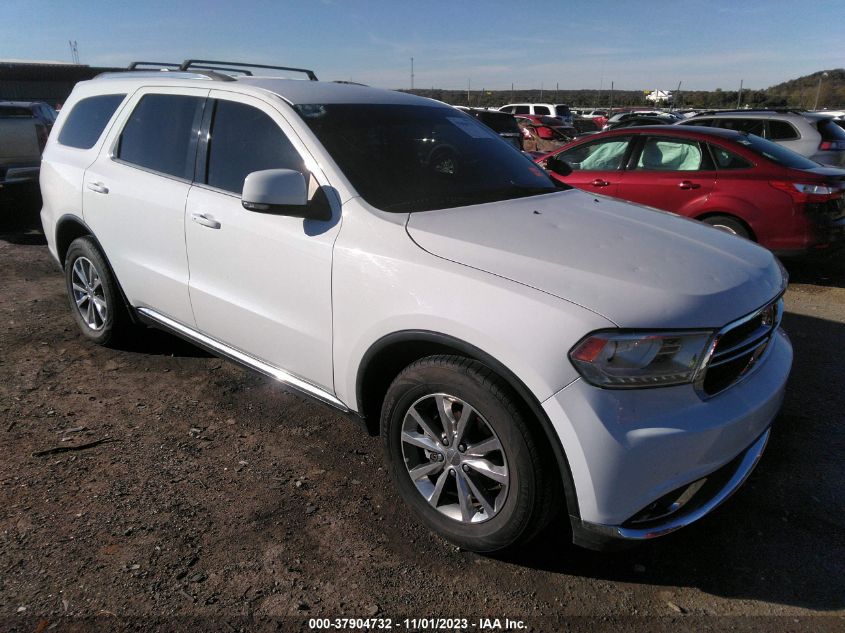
[(507, 109), (781, 131), (749, 126), (87, 120), (243, 140), (728, 160), (522, 109), (670, 154), (541, 110), (158, 134), (601, 155)]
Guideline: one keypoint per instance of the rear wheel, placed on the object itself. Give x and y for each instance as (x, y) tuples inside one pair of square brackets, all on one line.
[(463, 457), (95, 299), (728, 225)]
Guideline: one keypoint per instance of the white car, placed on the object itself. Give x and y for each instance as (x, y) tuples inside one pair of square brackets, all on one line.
[(522, 349)]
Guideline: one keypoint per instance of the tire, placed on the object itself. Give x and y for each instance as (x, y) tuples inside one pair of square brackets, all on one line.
[(728, 225), (95, 298), (510, 488)]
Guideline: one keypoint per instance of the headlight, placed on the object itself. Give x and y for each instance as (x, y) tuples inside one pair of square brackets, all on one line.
[(649, 359)]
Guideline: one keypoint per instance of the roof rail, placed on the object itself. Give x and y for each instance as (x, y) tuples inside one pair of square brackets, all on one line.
[(209, 64), (750, 110), (161, 65)]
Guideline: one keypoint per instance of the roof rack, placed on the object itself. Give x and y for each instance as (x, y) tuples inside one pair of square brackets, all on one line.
[(209, 64), (161, 65), (751, 110)]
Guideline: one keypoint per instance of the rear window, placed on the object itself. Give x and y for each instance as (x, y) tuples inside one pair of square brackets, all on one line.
[(562, 110), (88, 119), (159, 133), (541, 110), (499, 122), (776, 153), (523, 109), (749, 126), (830, 131)]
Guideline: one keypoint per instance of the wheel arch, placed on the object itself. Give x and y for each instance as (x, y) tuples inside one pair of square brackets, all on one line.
[(71, 227), (385, 358), (716, 212)]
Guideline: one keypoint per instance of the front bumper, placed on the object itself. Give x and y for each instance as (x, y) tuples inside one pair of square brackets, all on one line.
[(630, 450)]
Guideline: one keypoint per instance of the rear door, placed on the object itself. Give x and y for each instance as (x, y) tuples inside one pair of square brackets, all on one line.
[(670, 173), (134, 196), (597, 165)]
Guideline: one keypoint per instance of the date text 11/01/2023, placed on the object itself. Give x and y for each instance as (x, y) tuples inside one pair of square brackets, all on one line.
[(418, 624)]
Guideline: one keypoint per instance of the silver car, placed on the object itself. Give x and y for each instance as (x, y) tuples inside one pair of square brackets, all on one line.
[(811, 134)]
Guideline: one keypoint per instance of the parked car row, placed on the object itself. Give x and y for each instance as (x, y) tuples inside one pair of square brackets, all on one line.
[(735, 181)]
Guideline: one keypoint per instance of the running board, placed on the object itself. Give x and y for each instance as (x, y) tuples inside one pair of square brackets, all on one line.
[(221, 349)]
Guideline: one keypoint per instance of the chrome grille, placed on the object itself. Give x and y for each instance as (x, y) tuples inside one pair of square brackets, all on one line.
[(737, 348)]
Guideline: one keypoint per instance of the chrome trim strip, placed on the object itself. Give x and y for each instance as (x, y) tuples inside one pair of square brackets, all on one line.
[(701, 373), (749, 461), (250, 361)]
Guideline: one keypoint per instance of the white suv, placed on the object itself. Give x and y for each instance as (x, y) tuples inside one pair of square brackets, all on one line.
[(521, 348)]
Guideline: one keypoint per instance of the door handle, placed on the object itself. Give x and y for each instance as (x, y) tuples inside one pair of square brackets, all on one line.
[(598, 182), (98, 187), (686, 184), (205, 220)]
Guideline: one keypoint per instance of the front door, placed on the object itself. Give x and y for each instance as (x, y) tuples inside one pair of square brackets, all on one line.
[(596, 165), (669, 173), (260, 283)]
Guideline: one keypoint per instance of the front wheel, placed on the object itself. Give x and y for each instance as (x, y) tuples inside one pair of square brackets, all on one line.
[(463, 456)]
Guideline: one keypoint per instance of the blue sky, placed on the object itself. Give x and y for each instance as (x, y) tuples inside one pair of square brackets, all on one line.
[(637, 45)]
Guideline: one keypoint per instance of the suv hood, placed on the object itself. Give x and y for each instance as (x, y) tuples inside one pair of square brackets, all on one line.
[(638, 267)]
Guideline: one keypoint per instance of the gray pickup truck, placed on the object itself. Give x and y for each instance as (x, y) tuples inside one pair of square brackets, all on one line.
[(22, 138)]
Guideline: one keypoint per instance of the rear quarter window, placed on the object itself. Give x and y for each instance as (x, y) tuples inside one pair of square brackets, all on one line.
[(88, 119), (782, 131), (726, 159)]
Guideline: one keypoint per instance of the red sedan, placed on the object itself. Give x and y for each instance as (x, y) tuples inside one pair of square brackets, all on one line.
[(737, 182)]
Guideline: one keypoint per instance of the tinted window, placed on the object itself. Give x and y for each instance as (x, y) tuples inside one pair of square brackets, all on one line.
[(244, 140), (416, 157), (500, 122), (562, 110), (670, 154), (728, 160), (830, 131), (541, 110), (87, 120), (776, 153), (521, 110), (159, 134), (749, 126), (781, 131), (603, 155)]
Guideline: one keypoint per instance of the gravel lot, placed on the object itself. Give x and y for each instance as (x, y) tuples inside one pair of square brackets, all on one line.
[(219, 501)]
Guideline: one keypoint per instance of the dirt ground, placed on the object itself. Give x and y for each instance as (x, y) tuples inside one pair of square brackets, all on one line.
[(218, 501)]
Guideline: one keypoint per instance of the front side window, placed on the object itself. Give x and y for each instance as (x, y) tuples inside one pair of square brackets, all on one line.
[(604, 155), (160, 134), (418, 157), (243, 140), (670, 154), (88, 119)]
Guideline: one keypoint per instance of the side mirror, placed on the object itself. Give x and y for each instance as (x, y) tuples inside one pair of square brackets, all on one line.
[(279, 191), (558, 165)]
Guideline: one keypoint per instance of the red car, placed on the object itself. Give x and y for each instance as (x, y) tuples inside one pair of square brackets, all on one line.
[(737, 182)]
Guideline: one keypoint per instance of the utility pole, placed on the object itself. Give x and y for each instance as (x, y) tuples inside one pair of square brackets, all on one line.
[(74, 51), (468, 92), (557, 87), (739, 96), (412, 74), (610, 114), (818, 91), (541, 91), (675, 96), (511, 92)]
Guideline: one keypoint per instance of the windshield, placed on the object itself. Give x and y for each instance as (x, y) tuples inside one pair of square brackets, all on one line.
[(776, 153), (417, 158)]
